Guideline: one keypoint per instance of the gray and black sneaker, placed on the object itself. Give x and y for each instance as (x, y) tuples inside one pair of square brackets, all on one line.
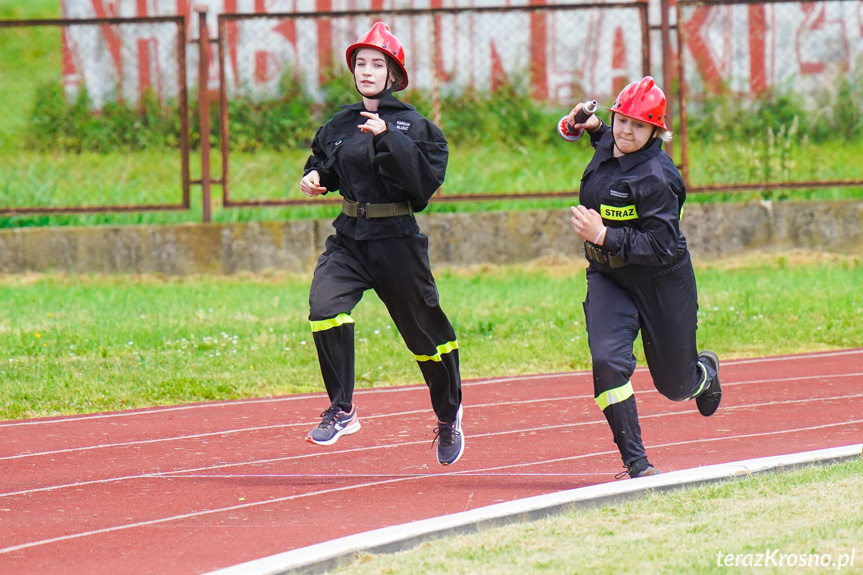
[(450, 440), (334, 424), (708, 400), (638, 468)]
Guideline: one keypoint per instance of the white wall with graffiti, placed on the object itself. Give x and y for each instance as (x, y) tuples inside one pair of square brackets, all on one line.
[(748, 48)]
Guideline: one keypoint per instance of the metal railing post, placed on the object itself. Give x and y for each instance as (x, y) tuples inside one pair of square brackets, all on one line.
[(667, 70), (204, 109)]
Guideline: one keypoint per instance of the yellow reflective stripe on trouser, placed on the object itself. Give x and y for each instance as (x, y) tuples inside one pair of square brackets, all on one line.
[(441, 349), (615, 395), (325, 324), (702, 385)]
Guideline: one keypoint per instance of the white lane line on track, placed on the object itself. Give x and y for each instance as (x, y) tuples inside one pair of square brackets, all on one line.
[(150, 441), (790, 379), (316, 397), (786, 358), (555, 399), (400, 389), (556, 427), (138, 524), (168, 475), (308, 424)]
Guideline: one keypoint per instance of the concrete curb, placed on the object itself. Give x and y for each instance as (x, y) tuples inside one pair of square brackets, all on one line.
[(322, 557)]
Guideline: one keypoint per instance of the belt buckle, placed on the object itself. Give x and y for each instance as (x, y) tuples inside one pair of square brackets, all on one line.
[(361, 211), (596, 254)]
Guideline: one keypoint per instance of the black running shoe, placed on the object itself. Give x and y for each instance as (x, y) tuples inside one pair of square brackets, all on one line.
[(334, 424), (708, 400), (450, 440), (638, 468)]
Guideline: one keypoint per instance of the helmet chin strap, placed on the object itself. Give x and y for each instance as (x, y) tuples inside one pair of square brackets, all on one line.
[(613, 139)]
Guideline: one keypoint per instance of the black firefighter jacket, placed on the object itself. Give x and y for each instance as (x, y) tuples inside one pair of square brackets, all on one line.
[(640, 197), (406, 163)]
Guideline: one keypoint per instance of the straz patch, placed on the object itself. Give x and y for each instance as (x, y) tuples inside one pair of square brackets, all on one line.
[(403, 125), (618, 213)]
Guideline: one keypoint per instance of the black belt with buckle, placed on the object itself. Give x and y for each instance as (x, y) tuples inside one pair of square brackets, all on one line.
[(599, 256), (370, 211)]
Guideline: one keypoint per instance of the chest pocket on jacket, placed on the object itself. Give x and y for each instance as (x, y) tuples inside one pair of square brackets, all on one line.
[(618, 204), (332, 145)]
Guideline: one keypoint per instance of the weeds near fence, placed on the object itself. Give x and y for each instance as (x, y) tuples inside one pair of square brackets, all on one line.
[(833, 114), (58, 123)]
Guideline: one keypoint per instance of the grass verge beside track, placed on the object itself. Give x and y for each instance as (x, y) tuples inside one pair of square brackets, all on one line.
[(808, 520)]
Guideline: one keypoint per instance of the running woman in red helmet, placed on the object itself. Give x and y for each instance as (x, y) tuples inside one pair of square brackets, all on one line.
[(640, 276), (386, 160)]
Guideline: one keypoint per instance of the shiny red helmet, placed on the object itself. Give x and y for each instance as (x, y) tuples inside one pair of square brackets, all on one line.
[(380, 38), (643, 101)]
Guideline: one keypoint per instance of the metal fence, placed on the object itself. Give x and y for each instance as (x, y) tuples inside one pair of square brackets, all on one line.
[(766, 95), (770, 94), (79, 142), (520, 66)]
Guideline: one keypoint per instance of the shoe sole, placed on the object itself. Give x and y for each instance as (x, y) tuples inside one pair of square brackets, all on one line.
[(461, 433), (649, 472), (352, 428), (710, 410)]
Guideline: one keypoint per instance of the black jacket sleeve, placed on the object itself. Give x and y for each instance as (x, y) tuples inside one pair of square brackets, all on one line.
[(416, 163), (322, 162), (656, 238)]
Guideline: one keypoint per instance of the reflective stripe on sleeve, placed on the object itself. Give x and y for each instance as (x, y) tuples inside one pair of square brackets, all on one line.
[(441, 349), (615, 395), (618, 213), (325, 324)]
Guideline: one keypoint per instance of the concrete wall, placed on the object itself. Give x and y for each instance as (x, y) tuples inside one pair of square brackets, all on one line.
[(713, 231)]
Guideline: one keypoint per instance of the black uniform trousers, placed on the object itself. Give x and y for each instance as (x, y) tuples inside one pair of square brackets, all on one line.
[(398, 270), (661, 302)]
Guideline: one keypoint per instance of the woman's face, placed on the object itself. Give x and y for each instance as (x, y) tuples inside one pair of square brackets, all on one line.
[(370, 71), (630, 134)]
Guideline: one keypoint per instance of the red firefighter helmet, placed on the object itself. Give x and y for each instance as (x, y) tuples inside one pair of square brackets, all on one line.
[(380, 38), (643, 101)]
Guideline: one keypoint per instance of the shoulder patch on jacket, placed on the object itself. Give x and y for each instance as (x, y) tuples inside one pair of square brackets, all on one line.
[(619, 213), (403, 125)]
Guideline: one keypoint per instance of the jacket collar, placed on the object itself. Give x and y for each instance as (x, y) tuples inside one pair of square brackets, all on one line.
[(629, 161), (388, 101)]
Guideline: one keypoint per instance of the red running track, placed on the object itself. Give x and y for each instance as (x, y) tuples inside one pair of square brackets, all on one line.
[(193, 488)]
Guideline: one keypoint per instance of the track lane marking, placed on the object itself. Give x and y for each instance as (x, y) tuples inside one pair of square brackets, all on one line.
[(179, 517), (276, 426), (396, 414), (392, 414), (399, 389), (402, 444)]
